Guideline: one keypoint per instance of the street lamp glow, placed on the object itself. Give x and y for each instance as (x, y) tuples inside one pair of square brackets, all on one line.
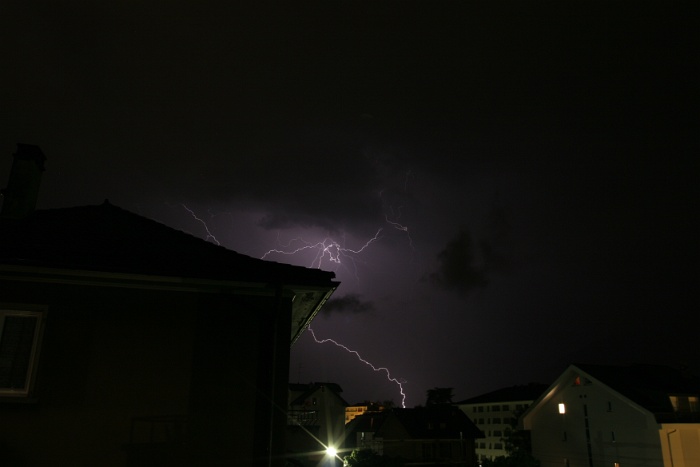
[(331, 451)]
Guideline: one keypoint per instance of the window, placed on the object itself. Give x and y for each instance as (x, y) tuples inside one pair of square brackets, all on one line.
[(496, 420), (497, 433), (562, 408), (20, 338), (505, 408), (498, 446), (684, 403), (428, 451)]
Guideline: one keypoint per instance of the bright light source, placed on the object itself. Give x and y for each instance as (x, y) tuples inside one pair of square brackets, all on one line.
[(331, 451), (562, 408)]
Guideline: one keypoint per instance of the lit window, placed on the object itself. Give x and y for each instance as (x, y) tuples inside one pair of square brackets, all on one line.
[(562, 408), (684, 403), (20, 337)]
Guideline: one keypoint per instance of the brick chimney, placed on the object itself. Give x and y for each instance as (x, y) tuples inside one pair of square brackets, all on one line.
[(20, 196)]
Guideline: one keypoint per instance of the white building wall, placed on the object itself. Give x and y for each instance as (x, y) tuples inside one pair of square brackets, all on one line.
[(680, 444), (598, 428), (493, 419)]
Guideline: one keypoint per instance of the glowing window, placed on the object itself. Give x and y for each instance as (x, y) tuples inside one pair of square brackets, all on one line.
[(562, 408), (684, 403)]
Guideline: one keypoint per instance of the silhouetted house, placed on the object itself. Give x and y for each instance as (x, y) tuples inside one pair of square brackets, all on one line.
[(434, 435), (633, 416), (126, 342), (314, 421), (355, 410), (496, 414)]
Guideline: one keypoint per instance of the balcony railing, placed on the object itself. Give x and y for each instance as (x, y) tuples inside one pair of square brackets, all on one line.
[(302, 417)]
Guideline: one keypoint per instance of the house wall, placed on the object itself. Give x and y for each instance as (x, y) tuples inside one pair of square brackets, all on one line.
[(598, 425), (680, 444), (111, 355), (108, 355)]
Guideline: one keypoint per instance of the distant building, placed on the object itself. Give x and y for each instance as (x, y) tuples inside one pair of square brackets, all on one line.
[(495, 413), (435, 435), (358, 409), (632, 416), (314, 421), (124, 342)]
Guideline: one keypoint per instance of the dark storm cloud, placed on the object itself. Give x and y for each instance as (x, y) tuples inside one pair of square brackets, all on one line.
[(350, 303), (461, 269)]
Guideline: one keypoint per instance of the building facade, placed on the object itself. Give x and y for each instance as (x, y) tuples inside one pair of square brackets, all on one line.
[(435, 435), (315, 422), (496, 414), (124, 342), (636, 416)]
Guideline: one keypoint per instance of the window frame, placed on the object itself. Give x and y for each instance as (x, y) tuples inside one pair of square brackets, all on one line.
[(27, 392)]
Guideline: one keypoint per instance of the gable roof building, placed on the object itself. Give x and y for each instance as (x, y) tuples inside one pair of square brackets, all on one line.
[(314, 421), (628, 416), (433, 435), (126, 342)]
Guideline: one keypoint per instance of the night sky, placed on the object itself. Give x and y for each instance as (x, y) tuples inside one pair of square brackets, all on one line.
[(511, 187)]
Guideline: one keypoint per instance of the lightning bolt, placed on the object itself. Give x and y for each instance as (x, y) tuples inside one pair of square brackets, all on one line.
[(206, 227), (398, 226), (359, 357), (328, 248)]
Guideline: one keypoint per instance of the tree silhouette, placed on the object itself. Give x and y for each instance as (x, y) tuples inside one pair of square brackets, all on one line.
[(439, 396)]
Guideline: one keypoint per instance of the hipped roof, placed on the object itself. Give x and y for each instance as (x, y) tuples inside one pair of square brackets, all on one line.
[(108, 239), (111, 239)]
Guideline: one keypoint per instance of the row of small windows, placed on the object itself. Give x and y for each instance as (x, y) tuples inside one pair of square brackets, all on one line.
[(498, 408), (495, 421), (680, 404), (489, 445)]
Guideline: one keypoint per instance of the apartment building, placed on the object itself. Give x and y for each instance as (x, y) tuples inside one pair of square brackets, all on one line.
[(496, 413)]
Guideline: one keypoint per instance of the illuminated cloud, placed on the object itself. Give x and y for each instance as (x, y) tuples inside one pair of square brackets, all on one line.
[(350, 303)]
